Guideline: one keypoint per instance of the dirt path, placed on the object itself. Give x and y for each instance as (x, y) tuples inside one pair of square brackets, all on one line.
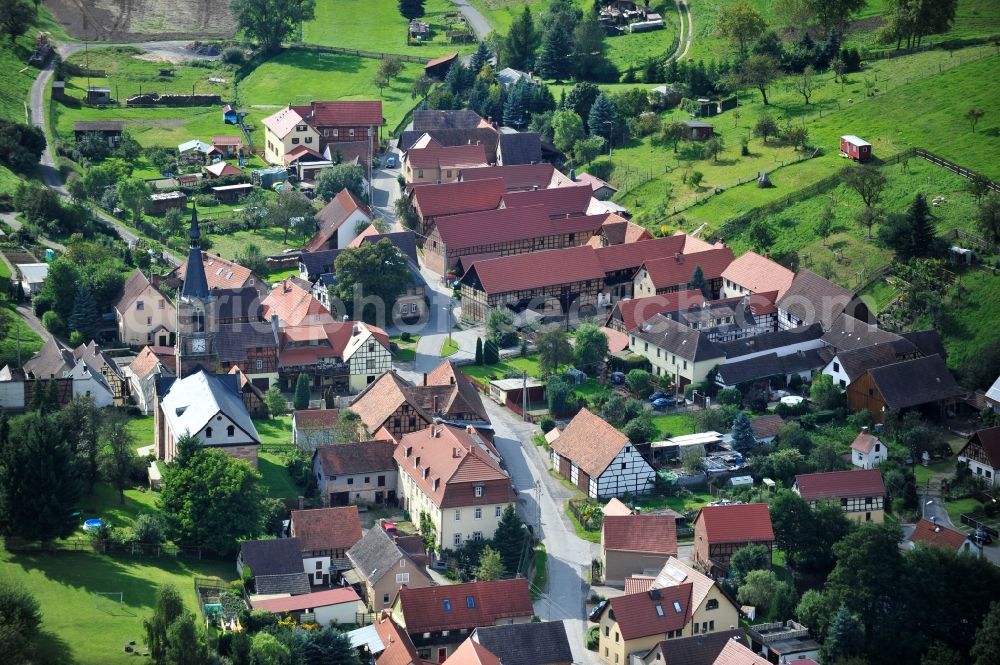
[(135, 20), (685, 36)]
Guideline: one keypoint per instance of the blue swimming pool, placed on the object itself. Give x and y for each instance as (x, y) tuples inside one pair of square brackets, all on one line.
[(93, 523)]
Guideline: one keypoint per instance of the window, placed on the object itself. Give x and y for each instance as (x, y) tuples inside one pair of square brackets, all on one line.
[(208, 432), (260, 364), (140, 305), (367, 479), (350, 132), (402, 563), (300, 128), (370, 363), (149, 320), (479, 513), (878, 447), (498, 511), (309, 139), (457, 540), (479, 490), (420, 173), (350, 481), (458, 515), (404, 309), (607, 631), (470, 602), (695, 628), (336, 132), (295, 141), (711, 625), (659, 610), (624, 465), (380, 481), (161, 304), (685, 364), (477, 535), (677, 607), (326, 131), (447, 174), (617, 637), (836, 367), (712, 604), (385, 598), (231, 431), (371, 347), (319, 565), (403, 578)]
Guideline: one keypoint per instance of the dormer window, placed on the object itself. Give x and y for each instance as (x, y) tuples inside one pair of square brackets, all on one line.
[(479, 490)]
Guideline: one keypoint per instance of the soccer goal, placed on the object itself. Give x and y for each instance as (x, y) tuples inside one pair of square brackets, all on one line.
[(109, 600)]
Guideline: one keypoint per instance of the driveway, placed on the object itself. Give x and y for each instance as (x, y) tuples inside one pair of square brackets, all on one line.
[(541, 499), (477, 21)]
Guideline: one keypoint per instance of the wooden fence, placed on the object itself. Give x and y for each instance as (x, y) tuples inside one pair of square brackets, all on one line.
[(361, 54), (88, 545), (955, 168)]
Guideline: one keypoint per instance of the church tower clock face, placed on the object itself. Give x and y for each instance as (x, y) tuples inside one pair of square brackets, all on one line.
[(198, 345)]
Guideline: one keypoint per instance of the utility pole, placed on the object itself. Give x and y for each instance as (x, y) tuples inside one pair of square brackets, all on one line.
[(524, 395), (538, 506)]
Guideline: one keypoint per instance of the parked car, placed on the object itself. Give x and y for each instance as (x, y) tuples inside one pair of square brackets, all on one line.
[(663, 403), (981, 537), (657, 395), (390, 161)]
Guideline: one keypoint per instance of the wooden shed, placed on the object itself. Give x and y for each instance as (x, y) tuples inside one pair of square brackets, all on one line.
[(855, 148), (698, 131)]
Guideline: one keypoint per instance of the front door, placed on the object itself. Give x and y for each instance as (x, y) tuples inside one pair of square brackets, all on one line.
[(340, 498), (379, 497), (442, 654)]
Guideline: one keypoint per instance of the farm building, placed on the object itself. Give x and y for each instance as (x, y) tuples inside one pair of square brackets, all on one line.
[(697, 131), (855, 148), (438, 67), (109, 130), (164, 201), (229, 115), (96, 95), (231, 193)]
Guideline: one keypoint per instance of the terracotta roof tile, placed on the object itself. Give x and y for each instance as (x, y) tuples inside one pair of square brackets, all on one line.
[(656, 611), (344, 459), (638, 584), (380, 398), (310, 419), (522, 272), (617, 341), (517, 176), (615, 507), (294, 305), (472, 653), (509, 224), (326, 528), (342, 113), (840, 484), (759, 274), (633, 311), (441, 59), (144, 363), (469, 605), (399, 649), (306, 601), (453, 198), (937, 535), (590, 442), (558, 201), (735, 653), (767, 426), (740, 523), (333, 215), (437, 156), (678, 270), (632, 255), (652, 534), (864, 442), (465, 398)]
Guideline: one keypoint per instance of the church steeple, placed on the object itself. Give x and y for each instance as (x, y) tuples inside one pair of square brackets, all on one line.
[(195, 282)]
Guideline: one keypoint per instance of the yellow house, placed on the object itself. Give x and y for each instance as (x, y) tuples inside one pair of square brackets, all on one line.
[(453, 476), (429, 161), (285, 130), (675, 350), (679, 603), (145, 316)]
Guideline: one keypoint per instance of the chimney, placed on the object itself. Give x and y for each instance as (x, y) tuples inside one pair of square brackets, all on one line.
[(456, 453), (435, 407), (470, 429), (302, 503), (452, 380), (154, 280), (425, 378)]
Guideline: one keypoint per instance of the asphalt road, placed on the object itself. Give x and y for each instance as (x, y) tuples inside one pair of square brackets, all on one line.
[(477, 21)]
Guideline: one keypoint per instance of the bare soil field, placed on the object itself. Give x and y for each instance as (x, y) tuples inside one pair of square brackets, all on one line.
[(124, 20)]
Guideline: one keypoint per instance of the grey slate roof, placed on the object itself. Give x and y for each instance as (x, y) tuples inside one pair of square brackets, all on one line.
[(374, 555), (771, 364), (847, 333), (698, 649), (195, 281), (520, 148), (281, 556), (771, 340), (50, 361), (424, 120), (404, 241), (527, 643), (928, 342), (915, 382), (812, 298), (856, 362), (293, 583), (677, 338), (317, 263), (452, 137)]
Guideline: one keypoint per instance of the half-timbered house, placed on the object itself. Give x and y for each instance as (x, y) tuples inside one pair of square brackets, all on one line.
[(982, 454), (860, 493), (719, 531)]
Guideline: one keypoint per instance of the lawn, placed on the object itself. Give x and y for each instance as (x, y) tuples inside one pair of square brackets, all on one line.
[(540, 582), (377, 25), (513, 365), (966, 329), (674, 424), (961, 506), (690, 502), (162, 126), (450, 347), (141, 427), (275, 431), (924, 474), (275, 480), (406, 352), (270, 240), (73, 629), (298, 76), (15, 334), (104, 502), (591, 536)]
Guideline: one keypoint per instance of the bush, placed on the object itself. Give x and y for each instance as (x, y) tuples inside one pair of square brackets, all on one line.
[(637, 381), (54, 324), (405, 336), (150, 529), (20, 617), (547, 424), (232, 56), (729, 396)]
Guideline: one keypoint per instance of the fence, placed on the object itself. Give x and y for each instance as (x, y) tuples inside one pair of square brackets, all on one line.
[(102, 547), (954, 168), (361, 54)]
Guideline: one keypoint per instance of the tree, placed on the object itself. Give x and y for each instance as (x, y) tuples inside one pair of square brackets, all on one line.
[(518, 49), (184, 645), (411, 9), (81, 422), (781, 465), (479, 351), (212, 500), (84, 317), (270, 22), (730, 396), (714, 146), (741, 24), (331, 181), (21, 145), (637, 381), (761, 588), (580, 98), (806, 534), (275, 402), (868, 569), (20, 617), (797, 136), (128, 148), (986, 649), (554, 59), (591, 347), (118, 453), (823, 392), (168, 608), (491, 566), (759, 71), (479, 59), (567, 129), (761, 235), (509, 539), (558, 391), (692, 460), (554, 350), (868, 181), (515, 109), (744, 438), (35, 454), (371, 276), (939, 654), (266, 649), (765, 126), (824, 226), (500, 327), (603, 117), (290, 209), (77, 190), (491, 353), (421, 86), (588, 149), (845, 637), (815, 611), (988, 218), (641, 429), (133, 195), (977, 185), (588, 56), (912, 234), (833, 14), (672, 133), (748, 559), (698, 282), (327, 647), (302, 392), (804, 84), (380, 81), (867, 218), (15, 18)]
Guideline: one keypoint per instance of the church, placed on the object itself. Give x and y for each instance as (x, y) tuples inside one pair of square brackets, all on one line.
[(201, 400)]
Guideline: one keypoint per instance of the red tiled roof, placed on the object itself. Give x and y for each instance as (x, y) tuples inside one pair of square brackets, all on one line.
[(399, 649), (638, 584), (344, 459), (321, 341), (637, 614), (767, 425), (521, 272), (452, 198), (220, 273), (425, 610), (590, 442), (227, 140), (471, 652), (674, 270), (840, 484), (223, 169), (864, 442), (637, 310), (515, 176), (740, 523), (558, 201), (651, 534), (465, 397), (447, 463), (300, 150), (306, 419), (381, 398), (507, 224), (936, 535), (757, 273), (333, 215), (307, 601), (735, 653), (144, 363), (294, 305), (342, 113), (634, 254), (617, 341), (594, 182), (440, 60), (326, 528), (437, 156)]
